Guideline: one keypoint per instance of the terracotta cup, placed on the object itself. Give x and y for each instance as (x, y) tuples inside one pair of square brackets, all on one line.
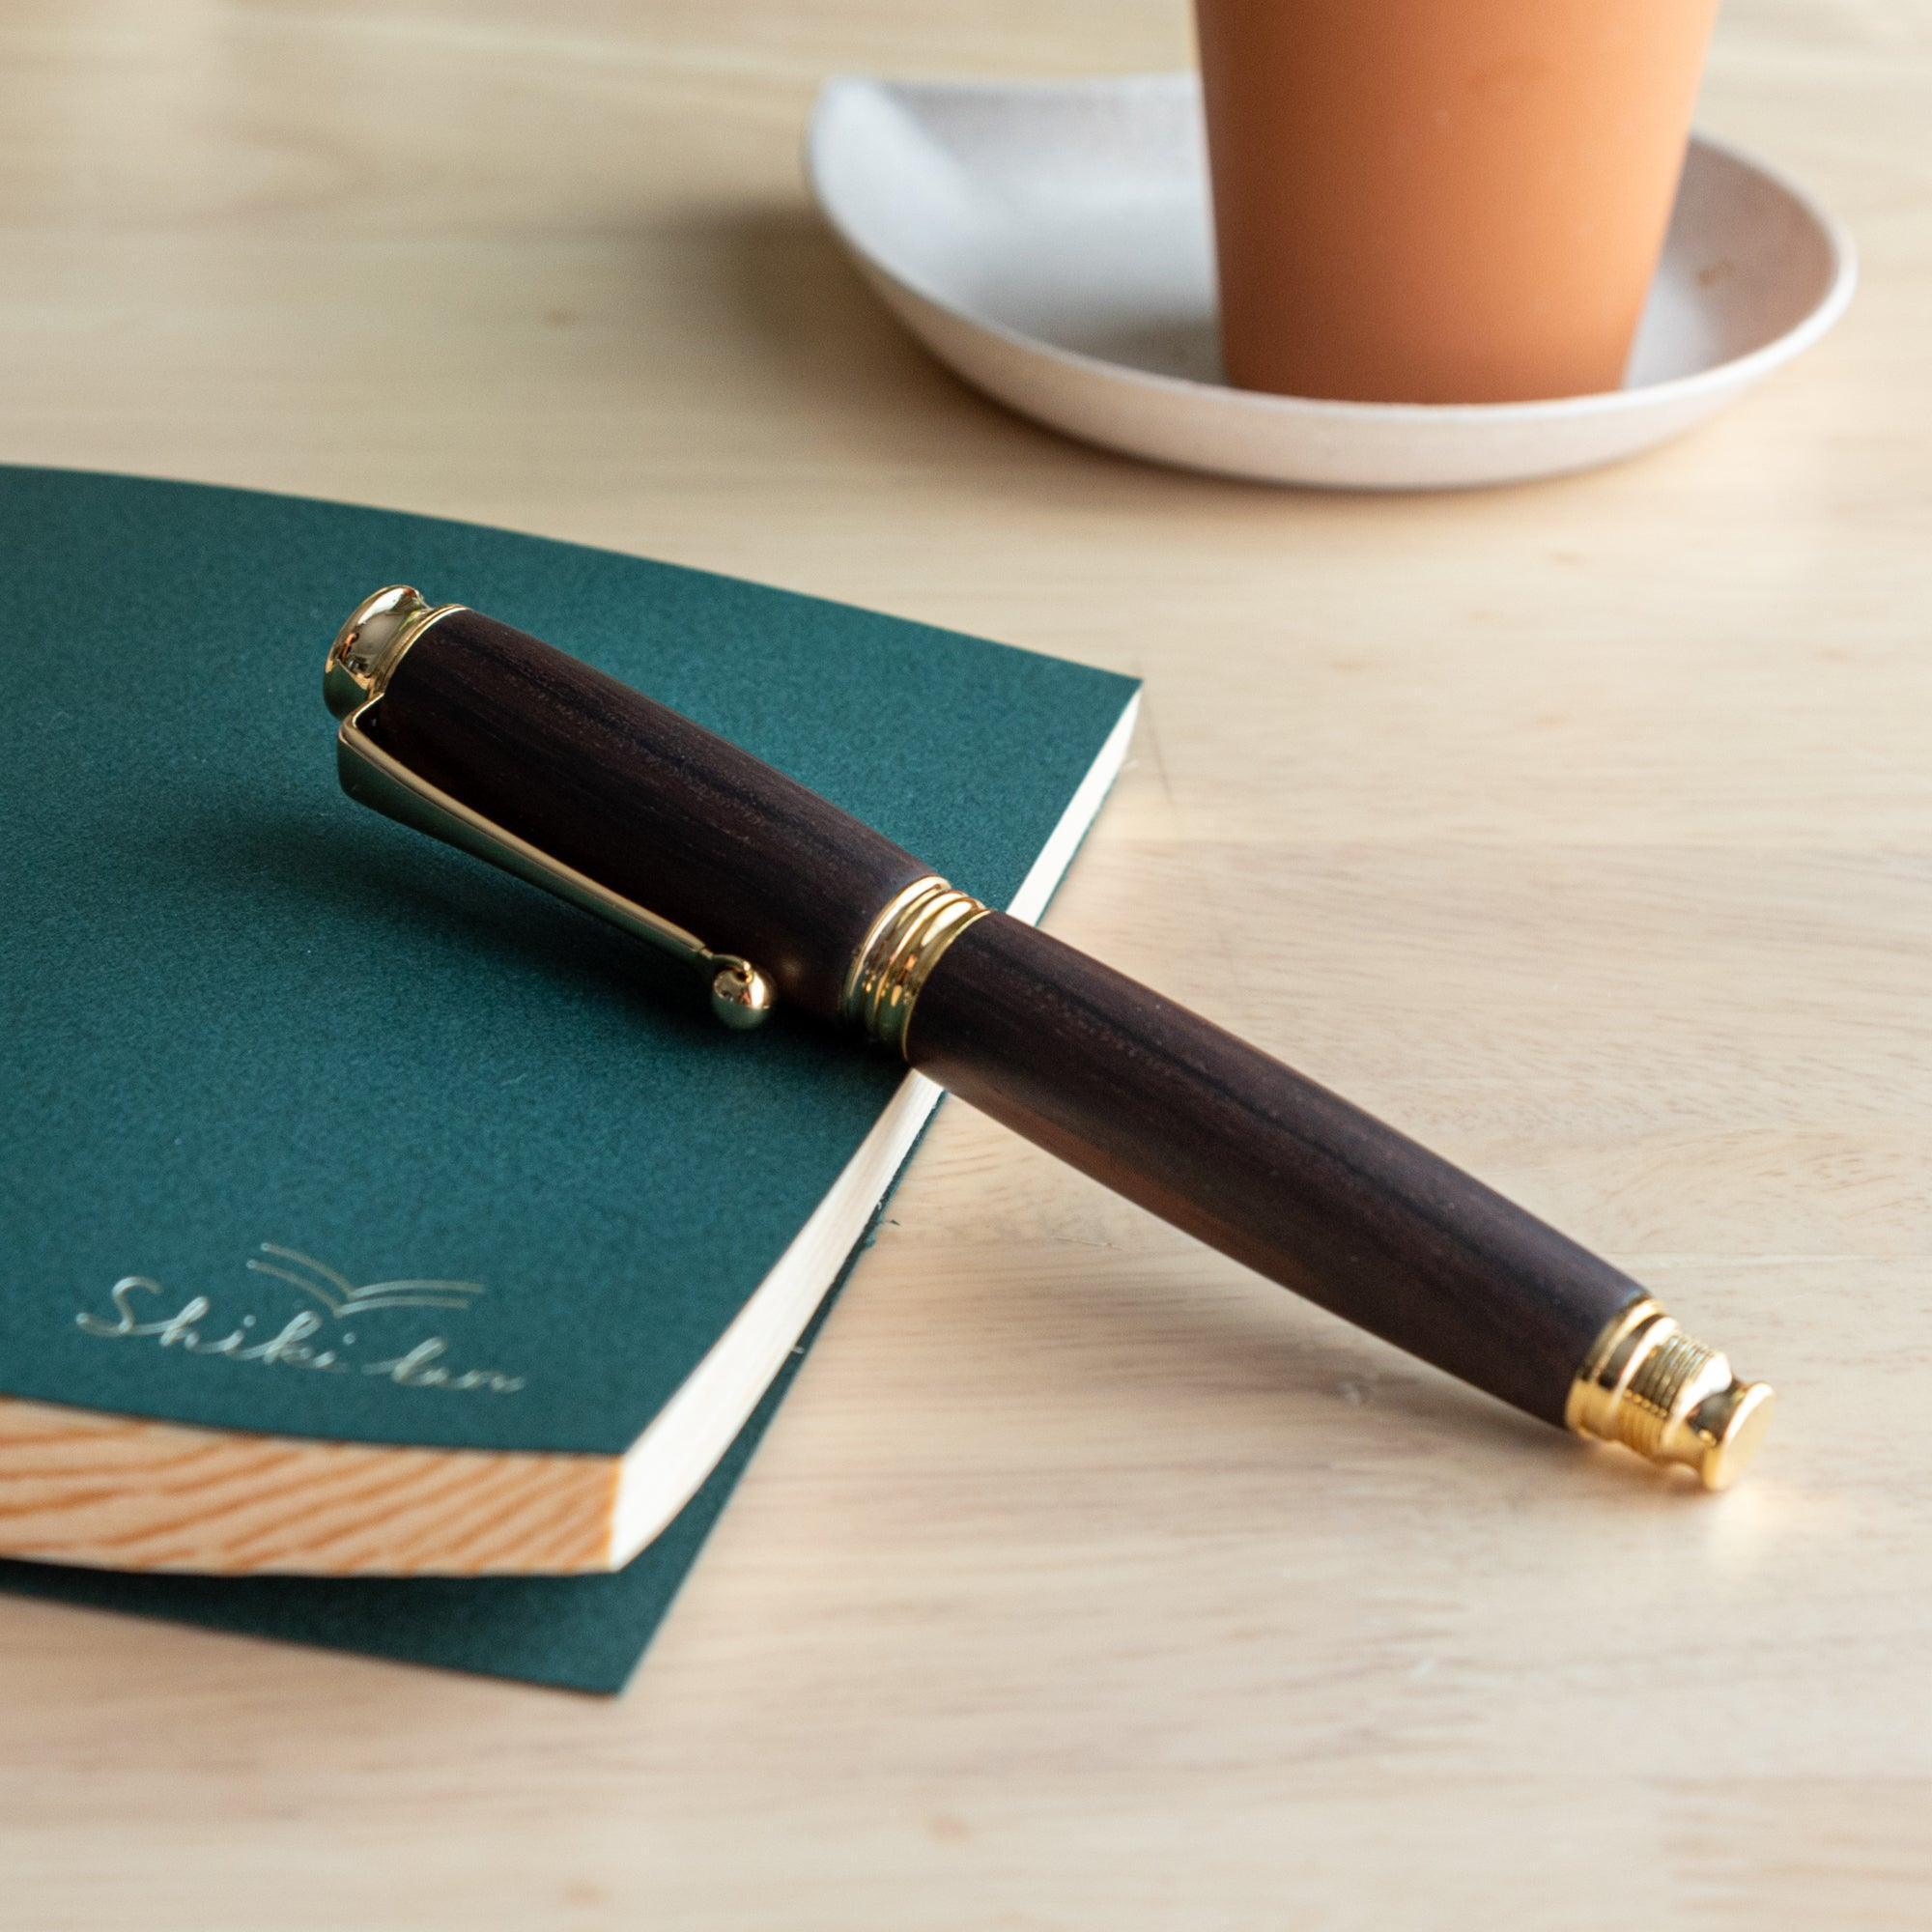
[(1442, 201)]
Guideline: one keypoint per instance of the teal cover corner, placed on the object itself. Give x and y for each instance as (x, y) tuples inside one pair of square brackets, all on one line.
[(247, 1021), (571, 1632)]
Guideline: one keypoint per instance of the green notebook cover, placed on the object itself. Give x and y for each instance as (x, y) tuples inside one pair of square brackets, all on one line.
[(248, 1021)]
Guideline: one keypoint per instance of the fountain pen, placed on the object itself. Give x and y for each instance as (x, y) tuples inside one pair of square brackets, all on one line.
[(484, 736)]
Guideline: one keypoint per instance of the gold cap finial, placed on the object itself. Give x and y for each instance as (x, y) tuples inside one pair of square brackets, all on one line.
[(366, 649), (1649, 1386)]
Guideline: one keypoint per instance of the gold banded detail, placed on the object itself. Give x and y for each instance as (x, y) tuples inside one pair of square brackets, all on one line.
[(904, 943), (1648, 1385)]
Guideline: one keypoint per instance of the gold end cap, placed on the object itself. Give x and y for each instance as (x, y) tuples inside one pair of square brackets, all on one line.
[(1732, 1430), (1651, 1387)]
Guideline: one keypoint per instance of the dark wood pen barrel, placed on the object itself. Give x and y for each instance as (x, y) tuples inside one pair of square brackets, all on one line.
[(481, 734), (1153, 1101), (1270, 1168), (642, 800)]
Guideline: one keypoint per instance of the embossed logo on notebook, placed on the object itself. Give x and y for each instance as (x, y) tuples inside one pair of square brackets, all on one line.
[(330, 1342)]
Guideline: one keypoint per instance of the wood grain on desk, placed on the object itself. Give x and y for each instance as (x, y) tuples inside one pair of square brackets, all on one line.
[(1584, 830)]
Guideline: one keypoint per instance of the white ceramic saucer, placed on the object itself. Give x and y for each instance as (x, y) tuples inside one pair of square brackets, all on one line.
[(1052, 243)]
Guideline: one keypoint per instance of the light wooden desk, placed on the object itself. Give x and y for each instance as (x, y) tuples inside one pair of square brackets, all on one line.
[(1586, 830)]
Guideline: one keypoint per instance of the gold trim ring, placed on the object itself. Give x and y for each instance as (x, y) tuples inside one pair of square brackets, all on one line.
[(898, 955)]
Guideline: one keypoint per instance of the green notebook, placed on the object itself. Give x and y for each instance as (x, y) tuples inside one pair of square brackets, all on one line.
[(282, 1070)]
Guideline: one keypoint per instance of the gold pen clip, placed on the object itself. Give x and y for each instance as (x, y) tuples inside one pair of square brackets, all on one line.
[(360, 663)]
